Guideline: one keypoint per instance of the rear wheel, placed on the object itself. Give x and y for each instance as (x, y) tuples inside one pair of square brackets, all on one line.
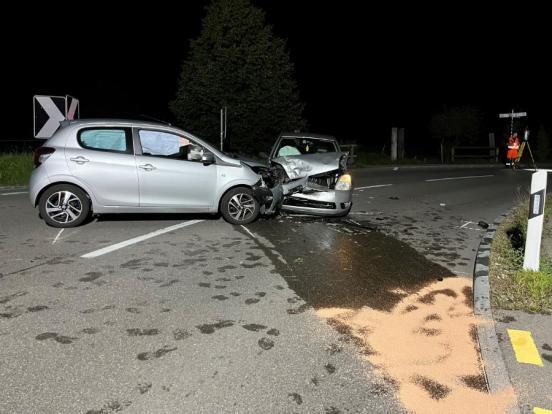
[(64, 205), (238, 206)]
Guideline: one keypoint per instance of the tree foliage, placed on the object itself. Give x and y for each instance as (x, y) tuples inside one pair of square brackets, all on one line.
[(455, 125), (238, 62), (543, 144)]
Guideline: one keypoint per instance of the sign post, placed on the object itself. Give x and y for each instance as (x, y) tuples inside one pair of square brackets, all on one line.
[(223, 117), (512, 115), (531, 260)]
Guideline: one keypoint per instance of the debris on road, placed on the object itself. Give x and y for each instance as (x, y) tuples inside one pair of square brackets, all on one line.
[(483, 224)]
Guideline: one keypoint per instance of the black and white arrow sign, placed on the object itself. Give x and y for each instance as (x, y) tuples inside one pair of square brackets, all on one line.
[(49, 111)]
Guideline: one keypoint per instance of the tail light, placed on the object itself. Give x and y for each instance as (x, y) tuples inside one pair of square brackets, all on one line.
[(41, 154)]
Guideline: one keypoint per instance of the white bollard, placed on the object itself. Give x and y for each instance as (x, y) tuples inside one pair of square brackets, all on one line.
[(536, 219)]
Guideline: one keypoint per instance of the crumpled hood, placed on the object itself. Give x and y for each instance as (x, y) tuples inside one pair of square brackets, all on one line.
[(300, 166)]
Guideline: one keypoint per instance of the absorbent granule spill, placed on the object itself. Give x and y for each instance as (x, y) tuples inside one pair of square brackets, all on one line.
[(427, 345)]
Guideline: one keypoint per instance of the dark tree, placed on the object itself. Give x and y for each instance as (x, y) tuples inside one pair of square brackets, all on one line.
[(455, 125), (543, 144), (239, 63)]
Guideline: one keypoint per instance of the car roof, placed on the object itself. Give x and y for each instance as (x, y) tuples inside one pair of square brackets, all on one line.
[(307, 135), (115, 122)]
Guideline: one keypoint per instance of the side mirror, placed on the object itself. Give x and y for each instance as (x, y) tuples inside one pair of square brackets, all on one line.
[(207, 158), (263, 155)]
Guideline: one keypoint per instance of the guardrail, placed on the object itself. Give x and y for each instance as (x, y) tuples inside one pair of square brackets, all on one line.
[(19, 145), (474, 152)]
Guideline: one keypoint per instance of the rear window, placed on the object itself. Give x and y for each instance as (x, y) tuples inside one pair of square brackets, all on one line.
[(106, 139)]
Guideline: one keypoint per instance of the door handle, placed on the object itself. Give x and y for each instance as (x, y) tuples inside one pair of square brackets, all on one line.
[(79, 160), (147, 167)]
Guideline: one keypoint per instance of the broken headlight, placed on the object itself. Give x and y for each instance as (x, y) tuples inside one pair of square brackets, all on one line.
[(344, 183)]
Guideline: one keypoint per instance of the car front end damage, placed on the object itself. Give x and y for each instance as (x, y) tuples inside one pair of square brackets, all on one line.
[(314, 184)]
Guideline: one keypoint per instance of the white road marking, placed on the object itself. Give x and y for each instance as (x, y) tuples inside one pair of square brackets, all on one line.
[(247, 230), (373, 186), (465, 224), (354, 222), (138, 239), (458, 178), (57, 237), (17, 192)]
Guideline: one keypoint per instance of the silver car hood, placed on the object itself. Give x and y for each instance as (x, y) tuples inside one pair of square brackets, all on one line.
[(300, 166)]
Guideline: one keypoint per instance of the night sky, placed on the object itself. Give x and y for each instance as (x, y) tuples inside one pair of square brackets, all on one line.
[(360, 69)]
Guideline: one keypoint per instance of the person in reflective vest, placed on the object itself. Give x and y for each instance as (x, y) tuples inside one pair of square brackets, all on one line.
[(513, 147)]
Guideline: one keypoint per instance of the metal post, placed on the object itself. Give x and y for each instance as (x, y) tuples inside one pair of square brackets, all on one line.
[(400, 146), (221, 128), (492, 145), (531, 260), (394, 137)]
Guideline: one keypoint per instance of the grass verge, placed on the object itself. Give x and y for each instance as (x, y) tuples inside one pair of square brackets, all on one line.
[(16, 168), (511, 286)]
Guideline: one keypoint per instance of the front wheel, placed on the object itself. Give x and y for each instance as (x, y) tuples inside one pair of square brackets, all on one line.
[(239, 206), (64, 205)]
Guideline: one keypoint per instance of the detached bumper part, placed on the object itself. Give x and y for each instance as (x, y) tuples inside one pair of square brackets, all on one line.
[(264, 196)]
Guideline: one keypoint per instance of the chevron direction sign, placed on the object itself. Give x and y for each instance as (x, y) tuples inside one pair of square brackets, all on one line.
[(49, 111)]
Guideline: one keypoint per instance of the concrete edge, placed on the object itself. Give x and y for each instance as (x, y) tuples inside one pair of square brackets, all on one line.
[(494, 366)]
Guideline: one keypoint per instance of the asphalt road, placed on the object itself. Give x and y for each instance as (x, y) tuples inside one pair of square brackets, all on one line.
[(210, 317)]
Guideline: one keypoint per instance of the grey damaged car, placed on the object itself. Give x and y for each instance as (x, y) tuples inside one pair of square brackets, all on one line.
[(117, 166), (307, 174)]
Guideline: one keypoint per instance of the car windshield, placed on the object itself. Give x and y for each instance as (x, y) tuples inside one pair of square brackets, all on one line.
[(302, 146)]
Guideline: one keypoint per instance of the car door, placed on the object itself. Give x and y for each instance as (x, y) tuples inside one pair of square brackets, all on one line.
[(171, 173), (103, 159)]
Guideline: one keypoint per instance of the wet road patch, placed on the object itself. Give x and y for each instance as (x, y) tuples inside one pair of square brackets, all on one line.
[(209, 328), (62, 339), (345, 265), (142, 332), (145, 356), (266, 343)]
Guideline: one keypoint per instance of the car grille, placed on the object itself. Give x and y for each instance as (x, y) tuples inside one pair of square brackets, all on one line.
[(324, 180)]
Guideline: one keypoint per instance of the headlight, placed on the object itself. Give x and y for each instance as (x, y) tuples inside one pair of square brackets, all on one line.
[(344, 183)]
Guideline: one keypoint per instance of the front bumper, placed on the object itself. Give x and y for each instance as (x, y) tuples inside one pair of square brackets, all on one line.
[(319, 203)]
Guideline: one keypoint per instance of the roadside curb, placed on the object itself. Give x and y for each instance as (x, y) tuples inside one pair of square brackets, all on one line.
[(491, 354)]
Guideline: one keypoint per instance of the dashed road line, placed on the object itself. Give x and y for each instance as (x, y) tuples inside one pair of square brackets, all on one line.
[(57, 236), (465, 224), (247, 230), (15, 193), (373, 186), (538, 410), (524, 347), (138, 239), (458, 178)]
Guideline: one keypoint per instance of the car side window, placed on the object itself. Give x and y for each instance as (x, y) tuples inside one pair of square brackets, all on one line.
[(106, 139), (167, 145)]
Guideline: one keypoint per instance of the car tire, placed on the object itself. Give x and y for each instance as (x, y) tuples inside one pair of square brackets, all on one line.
[(64, 205), (239, 206)]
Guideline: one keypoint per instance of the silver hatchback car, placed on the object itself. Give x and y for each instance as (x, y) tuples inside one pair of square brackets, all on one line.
[(117, 166)]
